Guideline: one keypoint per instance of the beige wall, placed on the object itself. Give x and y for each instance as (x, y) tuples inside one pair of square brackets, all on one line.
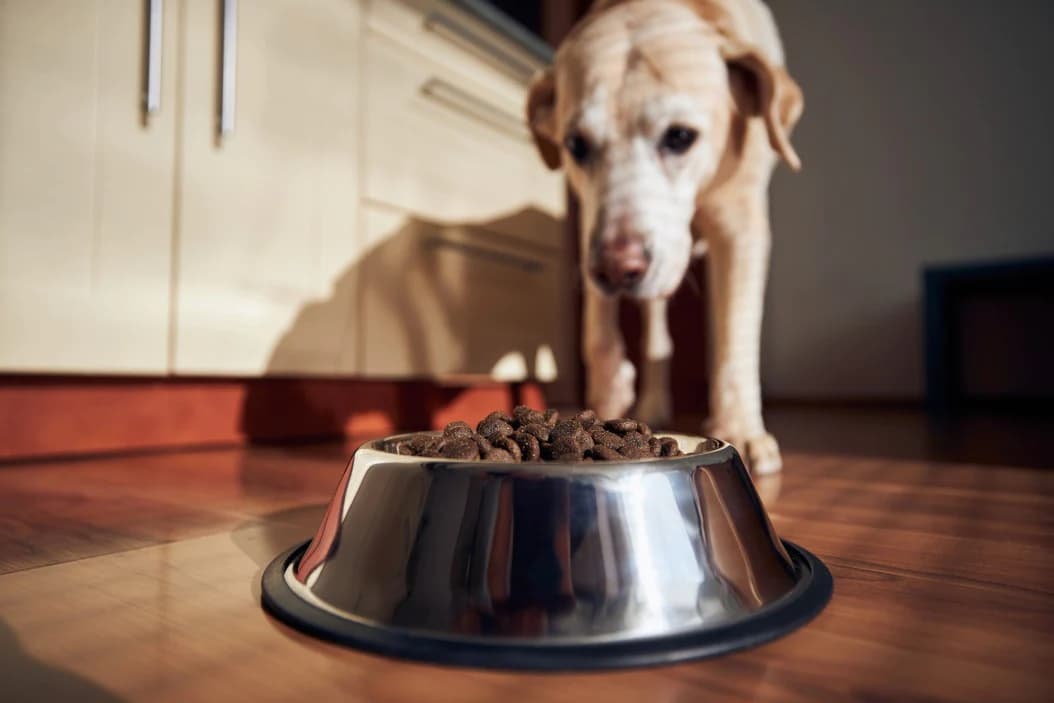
[(928, 137)]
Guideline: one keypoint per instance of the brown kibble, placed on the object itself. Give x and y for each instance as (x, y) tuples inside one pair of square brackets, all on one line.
[(492, 427), (669, 446), (586, 418), (482, 442), (636, 440), (460, 448), (527, 416), (541, 432), (621, 425), (603, 453), (608, 439), (531, 435), (565, 428), (631, 451), (568, 436), (530, 448), (424, 445), (564, 445), (457, 429), (654, 446), (509, 445)]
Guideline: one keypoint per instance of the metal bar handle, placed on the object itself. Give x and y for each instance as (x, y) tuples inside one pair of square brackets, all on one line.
[(454, 31), (154, 49), (468, 104), (523, 263), (229, 68)]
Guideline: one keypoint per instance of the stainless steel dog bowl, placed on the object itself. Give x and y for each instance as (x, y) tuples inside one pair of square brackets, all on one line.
[(547, 566)]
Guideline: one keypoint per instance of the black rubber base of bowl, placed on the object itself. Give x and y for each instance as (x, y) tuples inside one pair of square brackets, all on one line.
[(792, 611)]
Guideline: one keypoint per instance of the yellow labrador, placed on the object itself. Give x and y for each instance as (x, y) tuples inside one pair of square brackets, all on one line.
[(668, 117)]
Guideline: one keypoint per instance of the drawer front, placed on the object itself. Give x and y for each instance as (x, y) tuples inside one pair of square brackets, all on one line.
[(444, 147), (455, 39), (447, 301)]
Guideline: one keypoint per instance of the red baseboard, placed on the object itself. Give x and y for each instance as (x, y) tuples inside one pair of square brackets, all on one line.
[(66, 415)]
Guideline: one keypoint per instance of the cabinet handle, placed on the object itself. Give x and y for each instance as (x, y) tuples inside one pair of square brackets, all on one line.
[(523, 263), (228, 67), (457, 33), (450, 96), (154, 47)]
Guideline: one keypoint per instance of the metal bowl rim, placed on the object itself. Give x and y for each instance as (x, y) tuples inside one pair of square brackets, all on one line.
[(723, 451)]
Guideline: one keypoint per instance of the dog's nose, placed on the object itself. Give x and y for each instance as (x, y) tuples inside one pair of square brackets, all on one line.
[(623, 264)]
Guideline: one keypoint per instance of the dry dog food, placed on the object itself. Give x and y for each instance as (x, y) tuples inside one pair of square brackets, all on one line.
[(532, 435)]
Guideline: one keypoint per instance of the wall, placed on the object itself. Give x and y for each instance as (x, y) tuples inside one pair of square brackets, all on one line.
[(928, 137)]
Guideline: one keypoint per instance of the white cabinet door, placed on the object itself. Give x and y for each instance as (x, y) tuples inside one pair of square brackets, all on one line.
[(85, 188), (267, 215)]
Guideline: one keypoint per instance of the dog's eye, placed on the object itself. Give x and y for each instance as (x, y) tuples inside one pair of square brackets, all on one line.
[(677, 139), (578, 147)]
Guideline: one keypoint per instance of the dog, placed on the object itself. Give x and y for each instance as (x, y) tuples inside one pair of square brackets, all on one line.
[(668, 118)]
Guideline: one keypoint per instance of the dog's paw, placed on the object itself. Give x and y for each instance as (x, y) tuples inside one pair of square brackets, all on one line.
[(760, 451), (612, 394), (763, 454)]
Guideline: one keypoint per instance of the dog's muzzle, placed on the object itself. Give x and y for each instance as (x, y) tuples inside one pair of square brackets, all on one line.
[(620, 265)]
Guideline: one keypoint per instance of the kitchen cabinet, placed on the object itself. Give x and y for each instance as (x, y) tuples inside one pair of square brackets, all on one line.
[(86, 186), (267, 213), (338, 187)]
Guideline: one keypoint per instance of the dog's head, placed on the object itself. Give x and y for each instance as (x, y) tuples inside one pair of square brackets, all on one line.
[(638, 109)]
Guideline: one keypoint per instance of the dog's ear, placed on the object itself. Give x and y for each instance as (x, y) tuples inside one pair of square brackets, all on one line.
[(541, 118), (763, 90)]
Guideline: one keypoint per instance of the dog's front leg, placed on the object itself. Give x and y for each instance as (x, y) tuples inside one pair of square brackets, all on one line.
[(737, 268), (609, 374), (654, 406)]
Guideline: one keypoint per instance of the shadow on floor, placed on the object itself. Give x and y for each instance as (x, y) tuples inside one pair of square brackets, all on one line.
[(24, 678), (264, 538)]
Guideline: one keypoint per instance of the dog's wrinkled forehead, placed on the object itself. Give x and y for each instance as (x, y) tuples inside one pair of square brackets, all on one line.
[(637, 64)]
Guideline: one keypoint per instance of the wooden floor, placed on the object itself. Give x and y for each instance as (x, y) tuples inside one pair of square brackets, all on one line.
[(137, 579)]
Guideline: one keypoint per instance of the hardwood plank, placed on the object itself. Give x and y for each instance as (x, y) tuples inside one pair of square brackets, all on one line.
[(180, 621), (68, 524), (70, 510)]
